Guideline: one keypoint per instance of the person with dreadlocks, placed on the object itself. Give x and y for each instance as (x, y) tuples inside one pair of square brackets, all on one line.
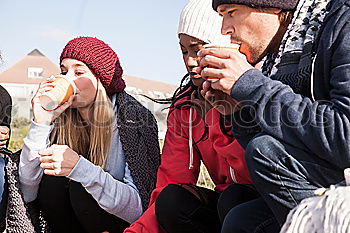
[(295, 116), (196, 134)]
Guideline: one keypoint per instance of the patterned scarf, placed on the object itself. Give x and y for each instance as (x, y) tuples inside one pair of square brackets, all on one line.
[(297, 47)]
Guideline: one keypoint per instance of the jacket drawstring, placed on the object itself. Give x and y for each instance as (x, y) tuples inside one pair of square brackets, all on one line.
[(190, 139)]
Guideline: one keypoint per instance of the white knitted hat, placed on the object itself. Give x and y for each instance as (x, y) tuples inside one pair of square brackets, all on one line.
[(198, 19)]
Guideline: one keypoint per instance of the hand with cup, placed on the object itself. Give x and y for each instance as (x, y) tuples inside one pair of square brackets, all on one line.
[(221, 101), (223, 64), (64, 88), (53, 97), (228, 47), (4, 135)]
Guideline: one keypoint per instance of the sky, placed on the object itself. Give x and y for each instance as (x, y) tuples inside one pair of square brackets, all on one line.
[(143, 33)]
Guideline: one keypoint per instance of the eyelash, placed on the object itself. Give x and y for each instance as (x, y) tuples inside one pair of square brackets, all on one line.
[(76, 73), (79, 73), (231, 12)]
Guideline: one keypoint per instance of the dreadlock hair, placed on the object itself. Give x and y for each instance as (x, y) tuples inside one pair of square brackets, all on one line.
[(185, 90)]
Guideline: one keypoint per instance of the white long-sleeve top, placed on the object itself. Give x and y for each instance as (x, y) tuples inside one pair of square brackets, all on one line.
[(112, 187)]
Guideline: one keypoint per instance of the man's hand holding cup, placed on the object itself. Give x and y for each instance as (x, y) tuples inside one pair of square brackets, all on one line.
[(223, 65)]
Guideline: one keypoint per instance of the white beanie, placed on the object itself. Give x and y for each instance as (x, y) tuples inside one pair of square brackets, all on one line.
[(199, 20)]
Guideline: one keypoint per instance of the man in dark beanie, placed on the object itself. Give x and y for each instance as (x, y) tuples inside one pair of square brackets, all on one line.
[(294, 119)]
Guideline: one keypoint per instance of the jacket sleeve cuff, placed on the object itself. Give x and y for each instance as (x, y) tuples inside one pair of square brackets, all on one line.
[(82, 168), (38, 138), (39, 132), (246, 85)]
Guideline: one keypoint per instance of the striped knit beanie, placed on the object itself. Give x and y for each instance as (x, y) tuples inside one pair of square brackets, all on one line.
[(280, 4), (198, 20), (100, 59)]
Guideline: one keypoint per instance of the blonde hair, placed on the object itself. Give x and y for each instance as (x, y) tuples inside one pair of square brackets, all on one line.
[(90, 139)]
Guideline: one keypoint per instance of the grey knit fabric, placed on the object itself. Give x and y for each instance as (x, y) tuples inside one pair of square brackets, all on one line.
[(139, 137), (17, 216), (280, 4)]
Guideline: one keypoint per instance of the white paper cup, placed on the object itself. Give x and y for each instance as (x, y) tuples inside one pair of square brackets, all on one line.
[(60, 94), (231, 47)]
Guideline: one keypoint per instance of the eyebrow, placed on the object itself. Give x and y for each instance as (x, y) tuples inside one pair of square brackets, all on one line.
[(78, 65), (74, 65), (224, 9)]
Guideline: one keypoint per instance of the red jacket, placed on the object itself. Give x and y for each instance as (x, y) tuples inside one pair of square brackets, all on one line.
[(217, 151)]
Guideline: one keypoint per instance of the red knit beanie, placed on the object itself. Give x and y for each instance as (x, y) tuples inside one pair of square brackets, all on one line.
[(100, 59)]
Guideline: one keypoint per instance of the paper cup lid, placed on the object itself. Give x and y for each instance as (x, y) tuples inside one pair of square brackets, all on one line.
[(70, 81), (213, 80), (234, 46)]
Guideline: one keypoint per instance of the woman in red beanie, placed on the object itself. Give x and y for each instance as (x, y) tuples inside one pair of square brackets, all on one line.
[(90, 164)]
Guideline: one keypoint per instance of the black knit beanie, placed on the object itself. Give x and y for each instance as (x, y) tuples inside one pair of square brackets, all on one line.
[(280, 4)]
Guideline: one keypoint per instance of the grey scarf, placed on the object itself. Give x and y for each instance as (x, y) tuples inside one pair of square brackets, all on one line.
[(139, 137), (292, 65)]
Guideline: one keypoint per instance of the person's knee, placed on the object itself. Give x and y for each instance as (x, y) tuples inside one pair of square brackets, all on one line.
[(261, 154), (258, 150), (234, 195), (171, 203), (235, 222), (167, 200)]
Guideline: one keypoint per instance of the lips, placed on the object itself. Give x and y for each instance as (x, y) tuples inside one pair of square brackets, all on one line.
[(194, 75)]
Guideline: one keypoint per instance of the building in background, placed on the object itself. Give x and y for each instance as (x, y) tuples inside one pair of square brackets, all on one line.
[(21, 80)]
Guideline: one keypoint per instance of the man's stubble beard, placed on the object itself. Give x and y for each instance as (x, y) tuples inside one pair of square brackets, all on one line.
[(274, 45)]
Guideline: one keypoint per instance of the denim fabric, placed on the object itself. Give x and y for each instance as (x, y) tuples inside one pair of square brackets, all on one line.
[(3, 190), (284, 175), (251, 217), (234, 195)]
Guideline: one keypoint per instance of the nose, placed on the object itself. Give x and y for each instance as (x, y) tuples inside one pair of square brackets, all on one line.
[(70, 74), (192, 61), (226, 28)]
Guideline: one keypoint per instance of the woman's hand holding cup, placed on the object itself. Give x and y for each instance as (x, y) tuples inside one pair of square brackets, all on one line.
[(41, 115), (221, 101)]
